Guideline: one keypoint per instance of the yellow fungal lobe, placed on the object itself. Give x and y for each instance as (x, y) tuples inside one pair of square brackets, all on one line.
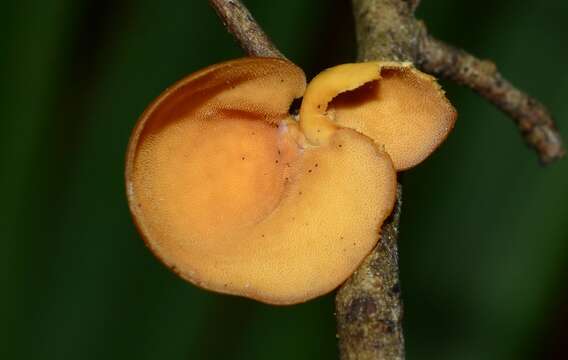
[(404, 110)]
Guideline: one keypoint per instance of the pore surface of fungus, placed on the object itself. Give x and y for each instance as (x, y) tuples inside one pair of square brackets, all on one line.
[(230, 192)]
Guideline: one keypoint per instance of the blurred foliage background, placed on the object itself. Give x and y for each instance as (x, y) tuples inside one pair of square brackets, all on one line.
[(484, 244)]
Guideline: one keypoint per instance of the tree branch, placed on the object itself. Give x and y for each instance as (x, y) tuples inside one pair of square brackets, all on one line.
[(369, 309), (240, 23), (386, 30), (368, 306), (531, 117)]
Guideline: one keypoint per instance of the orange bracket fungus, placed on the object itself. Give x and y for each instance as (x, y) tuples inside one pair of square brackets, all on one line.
[(238, 196)]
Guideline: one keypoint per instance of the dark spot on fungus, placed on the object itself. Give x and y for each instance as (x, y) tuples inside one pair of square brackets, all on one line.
[(295, 106), (299, 193), (310, 170), (243, 158), (339, 145), (316, 165), (276, 161)]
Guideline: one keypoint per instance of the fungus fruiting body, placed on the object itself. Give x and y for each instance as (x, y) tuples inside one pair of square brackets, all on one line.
[(238, 196)]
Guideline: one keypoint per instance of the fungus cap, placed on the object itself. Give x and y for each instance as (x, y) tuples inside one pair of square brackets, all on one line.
[(227, 193), (402, 109)]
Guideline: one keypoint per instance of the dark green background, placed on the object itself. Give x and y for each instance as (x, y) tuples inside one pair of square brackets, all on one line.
[(484, 244)]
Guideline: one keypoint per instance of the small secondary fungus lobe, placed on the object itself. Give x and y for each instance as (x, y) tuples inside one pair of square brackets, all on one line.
[(213, 202), (402, 109)]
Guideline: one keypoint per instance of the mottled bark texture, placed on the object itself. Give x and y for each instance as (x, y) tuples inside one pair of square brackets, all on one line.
[(368, 305), (386, 30)]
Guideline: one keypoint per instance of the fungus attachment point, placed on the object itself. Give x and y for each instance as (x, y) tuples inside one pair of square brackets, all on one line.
[(224, 188), (401, 108), (236, 195)]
